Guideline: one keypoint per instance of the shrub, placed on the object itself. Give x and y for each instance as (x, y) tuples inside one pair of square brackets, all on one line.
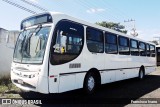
[(6, 80)]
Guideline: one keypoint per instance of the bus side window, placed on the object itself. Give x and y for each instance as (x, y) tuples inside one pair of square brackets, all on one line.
[(95, 40), (142, 49), (134, 47), (111, 43), (123, 45), (148, 50), (152, 50)]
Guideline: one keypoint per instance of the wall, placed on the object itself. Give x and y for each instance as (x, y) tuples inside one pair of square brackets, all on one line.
[(7, 43)]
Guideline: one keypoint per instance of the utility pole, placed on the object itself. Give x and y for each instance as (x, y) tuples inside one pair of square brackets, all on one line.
[(133, 30)]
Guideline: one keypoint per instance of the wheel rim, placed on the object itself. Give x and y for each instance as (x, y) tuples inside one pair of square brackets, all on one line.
[(141, 74), (91, 83)]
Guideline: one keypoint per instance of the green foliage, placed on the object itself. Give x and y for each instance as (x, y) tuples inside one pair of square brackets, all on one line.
[(7, 89), (6, 81), (3, 89), (112, 25)]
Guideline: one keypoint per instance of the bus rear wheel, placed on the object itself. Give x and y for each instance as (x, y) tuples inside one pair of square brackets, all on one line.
[(141, 74), (90, 83)]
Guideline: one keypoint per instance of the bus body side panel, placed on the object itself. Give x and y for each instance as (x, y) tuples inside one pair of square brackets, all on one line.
[(64, 78), (71, 82), (121, 65), (134, 63), (42, 84), (115, 64), (67, 82), (108, 76), (151, 66)]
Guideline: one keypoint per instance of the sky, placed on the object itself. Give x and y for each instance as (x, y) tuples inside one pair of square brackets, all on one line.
[(144, 12)]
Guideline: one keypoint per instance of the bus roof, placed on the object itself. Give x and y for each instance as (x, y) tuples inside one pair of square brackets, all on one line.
[(64, 16)]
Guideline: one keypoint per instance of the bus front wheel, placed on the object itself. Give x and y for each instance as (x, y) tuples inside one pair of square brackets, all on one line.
[(90, 83)]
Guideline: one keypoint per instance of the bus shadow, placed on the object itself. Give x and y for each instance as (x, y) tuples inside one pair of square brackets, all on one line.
[(120, 93)]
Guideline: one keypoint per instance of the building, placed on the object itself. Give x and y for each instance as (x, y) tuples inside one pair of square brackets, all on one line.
[(7, 44)]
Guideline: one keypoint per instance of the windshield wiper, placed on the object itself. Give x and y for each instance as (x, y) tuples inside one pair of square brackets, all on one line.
[(26, 40), (36, 30)]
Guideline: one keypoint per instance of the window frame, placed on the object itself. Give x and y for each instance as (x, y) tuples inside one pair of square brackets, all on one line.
[(134, 47), (147, 44), (142, 49), (151, 55), (106, 43), (128, 39), (54, 38), (88, 27)]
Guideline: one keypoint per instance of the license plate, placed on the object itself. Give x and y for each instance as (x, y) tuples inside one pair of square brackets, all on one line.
[(20, 81)]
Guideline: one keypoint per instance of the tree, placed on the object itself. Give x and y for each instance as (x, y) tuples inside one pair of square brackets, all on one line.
[(112, 25)]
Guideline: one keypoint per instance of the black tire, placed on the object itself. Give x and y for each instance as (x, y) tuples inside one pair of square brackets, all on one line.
[(90, 83), (141, 74)]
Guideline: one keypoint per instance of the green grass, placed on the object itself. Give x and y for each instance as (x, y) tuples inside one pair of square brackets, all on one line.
[(5, 83), (5, 80), (6, 88), (3, 88)]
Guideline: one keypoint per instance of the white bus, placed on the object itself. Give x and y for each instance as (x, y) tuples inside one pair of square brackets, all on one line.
[(56, 53)]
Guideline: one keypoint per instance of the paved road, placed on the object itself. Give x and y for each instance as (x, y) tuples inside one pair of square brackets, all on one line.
[(116, 94)]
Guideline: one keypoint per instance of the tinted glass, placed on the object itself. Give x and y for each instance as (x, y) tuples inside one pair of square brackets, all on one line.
[(148, 50), (123, 41), (45, 18), (134, 48), (142, 48), (31, 45), (152, 50), (111, 38), (134, 44), (68, 42), (95, 41), (95, 35), (111, 43), (124, 46)]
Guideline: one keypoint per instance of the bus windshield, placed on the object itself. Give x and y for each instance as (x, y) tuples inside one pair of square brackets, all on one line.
[(31, 45)]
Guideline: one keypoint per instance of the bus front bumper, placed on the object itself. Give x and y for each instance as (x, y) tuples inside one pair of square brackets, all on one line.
[(30, 81)]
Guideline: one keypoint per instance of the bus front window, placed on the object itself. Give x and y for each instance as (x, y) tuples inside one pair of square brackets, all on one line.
[(31, 45), (68, 42)]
